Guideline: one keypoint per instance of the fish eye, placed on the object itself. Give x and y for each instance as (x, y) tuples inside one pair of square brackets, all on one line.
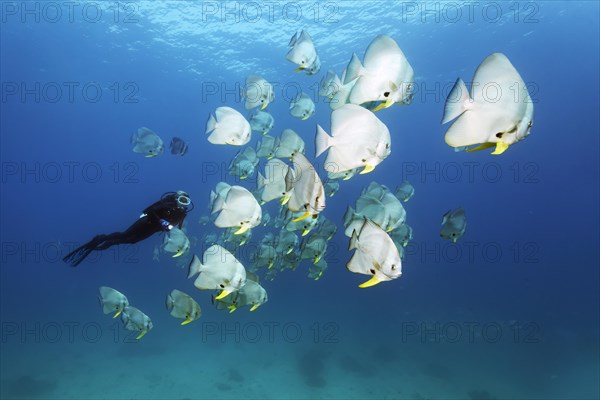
[(393, 267), (221, 286), (454, 234), (372, 271), (386, 94), (387, 145), (302, 61)]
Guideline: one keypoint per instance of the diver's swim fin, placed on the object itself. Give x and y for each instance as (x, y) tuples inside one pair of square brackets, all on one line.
[(77, 256)]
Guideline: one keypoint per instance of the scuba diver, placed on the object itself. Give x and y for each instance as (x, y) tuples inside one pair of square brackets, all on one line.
[(162, 216)]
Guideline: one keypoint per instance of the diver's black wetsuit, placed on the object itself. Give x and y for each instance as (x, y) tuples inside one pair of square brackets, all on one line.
[(166, 209)]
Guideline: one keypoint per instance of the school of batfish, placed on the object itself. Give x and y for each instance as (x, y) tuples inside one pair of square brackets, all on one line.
[(356, 142)]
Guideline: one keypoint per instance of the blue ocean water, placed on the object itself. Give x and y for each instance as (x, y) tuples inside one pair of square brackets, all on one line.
[(509, 311)]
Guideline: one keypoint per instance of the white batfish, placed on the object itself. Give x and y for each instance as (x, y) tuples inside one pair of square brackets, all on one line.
[(498, 112), (267, 146), (258, 92), (176, 242), (385, 76), (136, 321), (405, 191), (302, 107), (272, 185), (244, 163), (147, 142), (454, 223), (112, 300), (315, 271), (307, 193), (402, 235), (237, 207), (183, 306), (228, 126), (290, 143), (359, 139), (219, 270), (313, 248), (375, 255), (286, 242), (261, 121), (304, 54)]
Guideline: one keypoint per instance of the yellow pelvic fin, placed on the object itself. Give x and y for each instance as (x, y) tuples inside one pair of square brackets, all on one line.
[(224, 293), (500, 148), (305, 118), (187, 321), (118, 313), (379, 107), (306, 214), (368, 168), (300, 68), (454, 240), (289, 250), (305, 232), (270, 265), (371, 282), (317, 259), (284, 200), (180, 252), (264, 105), (482, 146), (141, 335), (232, 308), (241, 230), (384, 104), (254, 307)]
